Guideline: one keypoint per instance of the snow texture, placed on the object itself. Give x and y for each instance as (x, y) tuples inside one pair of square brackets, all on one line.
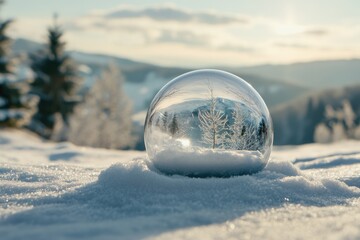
[(68, 192)]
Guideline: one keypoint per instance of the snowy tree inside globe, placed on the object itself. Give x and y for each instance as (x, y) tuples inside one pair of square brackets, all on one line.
[(208, 123)]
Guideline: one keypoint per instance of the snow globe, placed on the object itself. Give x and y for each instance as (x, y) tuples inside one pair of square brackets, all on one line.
[(208, 123)]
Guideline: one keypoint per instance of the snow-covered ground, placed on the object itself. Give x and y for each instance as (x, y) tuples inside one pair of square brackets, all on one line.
[(60, 191)]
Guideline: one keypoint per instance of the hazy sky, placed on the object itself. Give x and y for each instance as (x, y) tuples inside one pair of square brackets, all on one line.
[(198, 33)]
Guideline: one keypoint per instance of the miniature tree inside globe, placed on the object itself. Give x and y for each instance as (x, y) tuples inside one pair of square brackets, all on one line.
[(208, 123)]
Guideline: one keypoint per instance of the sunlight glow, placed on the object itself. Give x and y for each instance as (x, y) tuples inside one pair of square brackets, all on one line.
[(215, 35)]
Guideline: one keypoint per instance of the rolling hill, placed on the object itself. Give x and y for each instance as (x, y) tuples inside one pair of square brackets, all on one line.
[(313, 75)]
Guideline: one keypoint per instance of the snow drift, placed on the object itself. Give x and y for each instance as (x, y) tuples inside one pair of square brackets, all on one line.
[(67, 192)]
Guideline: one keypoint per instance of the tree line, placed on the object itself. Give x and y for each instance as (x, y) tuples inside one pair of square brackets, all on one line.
[(244, 132), (238, 129)]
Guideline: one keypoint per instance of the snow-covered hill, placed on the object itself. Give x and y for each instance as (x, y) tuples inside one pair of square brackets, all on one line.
[(61, 191), (316, 74)]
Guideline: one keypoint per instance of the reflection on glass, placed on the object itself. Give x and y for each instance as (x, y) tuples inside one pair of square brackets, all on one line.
[(208, 123)]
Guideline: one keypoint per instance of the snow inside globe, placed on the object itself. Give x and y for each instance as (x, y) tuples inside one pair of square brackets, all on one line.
[(208, 123)]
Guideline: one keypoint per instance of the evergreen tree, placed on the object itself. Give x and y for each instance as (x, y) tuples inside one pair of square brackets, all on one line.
[(6, 64), (174, 127), (16, 104), (236, 131), (261, 133), (213, 123), (55, 82), (164, 118), (243, 132)]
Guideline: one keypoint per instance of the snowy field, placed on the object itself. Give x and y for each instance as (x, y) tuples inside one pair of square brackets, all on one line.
[(60, 191)]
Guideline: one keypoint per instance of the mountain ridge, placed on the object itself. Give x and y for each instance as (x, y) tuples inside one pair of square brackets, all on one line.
[(318, 74)]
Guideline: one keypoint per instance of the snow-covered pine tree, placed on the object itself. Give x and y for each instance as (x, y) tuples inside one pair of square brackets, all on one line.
[(261, 133), (164, 119), (251, 137), (212, 123), (55, 82), (104, 119), (16, 104), (235, 139), (174, 126), (243, 133)]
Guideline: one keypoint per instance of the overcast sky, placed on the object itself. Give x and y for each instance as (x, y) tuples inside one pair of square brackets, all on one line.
[(198, 33)]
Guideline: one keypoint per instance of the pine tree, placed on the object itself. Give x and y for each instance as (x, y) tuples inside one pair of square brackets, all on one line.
[(261, 133), (55, 82), (104, 119), (174, 127), (235, 137), (243, 133), (212, 123), (164, 119), (16, 104), (6, 64)]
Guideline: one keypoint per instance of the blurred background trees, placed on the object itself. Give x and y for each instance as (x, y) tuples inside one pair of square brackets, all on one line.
[(56, 79), (104, 119), (42, 89), (16, 104)]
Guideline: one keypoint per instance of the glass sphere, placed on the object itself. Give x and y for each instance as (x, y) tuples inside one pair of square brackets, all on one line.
[(208, 123)]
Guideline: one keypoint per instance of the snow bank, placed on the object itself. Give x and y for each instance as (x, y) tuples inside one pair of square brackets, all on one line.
[(277, 184), (201, 162), (66, 192)]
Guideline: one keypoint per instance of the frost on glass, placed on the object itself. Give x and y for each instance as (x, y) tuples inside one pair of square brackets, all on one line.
[(208, 123)]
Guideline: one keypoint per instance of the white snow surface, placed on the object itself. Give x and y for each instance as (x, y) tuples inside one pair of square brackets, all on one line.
[(208, 162), (60, 191)]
